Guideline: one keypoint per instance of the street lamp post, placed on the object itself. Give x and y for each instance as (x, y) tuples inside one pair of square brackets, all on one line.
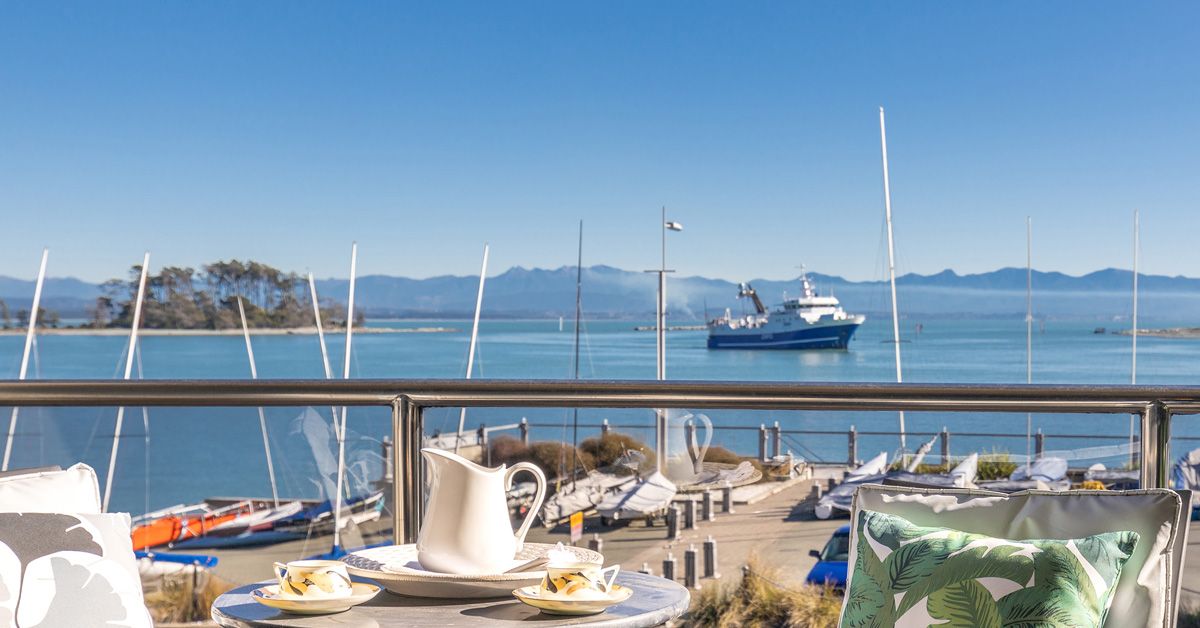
[(660, 328)]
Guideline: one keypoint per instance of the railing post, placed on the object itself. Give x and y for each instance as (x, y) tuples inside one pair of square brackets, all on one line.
[(524, 431), (945, 436), (852, 443), (1156, 446), (389, 464), (776, 437), (604, 428), (1039, 444), (408, 423), (485, 454), (762, 442)]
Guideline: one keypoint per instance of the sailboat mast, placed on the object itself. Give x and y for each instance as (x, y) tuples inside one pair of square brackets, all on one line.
[(1028, 331), (887, 204), (133, 337), (341, 432), (29, 333), (1134, 334), (312, 289), (462, 413), (578, 312), (262, 419)]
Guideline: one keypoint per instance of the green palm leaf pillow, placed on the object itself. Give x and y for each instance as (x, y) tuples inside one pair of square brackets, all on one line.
[(907, 575)]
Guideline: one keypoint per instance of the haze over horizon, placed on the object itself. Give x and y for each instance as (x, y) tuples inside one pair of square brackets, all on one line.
[(281, 132)]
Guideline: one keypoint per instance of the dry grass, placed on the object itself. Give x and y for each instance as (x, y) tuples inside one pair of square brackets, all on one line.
[(1189, 617), (174, 599), (761, 599)]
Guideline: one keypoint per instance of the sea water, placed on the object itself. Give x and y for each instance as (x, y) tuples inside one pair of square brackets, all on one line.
[(174, 455)]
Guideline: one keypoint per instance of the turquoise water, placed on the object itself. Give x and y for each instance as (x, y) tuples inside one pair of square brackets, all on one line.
[(193, 453)]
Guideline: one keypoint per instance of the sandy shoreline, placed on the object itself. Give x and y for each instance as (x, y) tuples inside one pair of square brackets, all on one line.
[(1171, 332), (260, 331)]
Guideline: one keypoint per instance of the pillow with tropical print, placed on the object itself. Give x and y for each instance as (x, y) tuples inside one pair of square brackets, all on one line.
[(906, 575), (77, 570)]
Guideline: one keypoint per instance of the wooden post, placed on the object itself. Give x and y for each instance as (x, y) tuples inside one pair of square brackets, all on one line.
[(524, 431), (1039, 444), (762, 443), (604, 428), (776, 438), (852, 443), (945, 435)]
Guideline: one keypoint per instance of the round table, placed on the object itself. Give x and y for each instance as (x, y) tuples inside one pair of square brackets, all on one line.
[(655, 601)]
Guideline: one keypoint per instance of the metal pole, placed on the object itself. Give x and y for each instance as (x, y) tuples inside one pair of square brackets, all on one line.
[(462, 414), (852, 445), (776, 437), (410, 420), (262, 418), (1134, 334), (133, 334), (1029, 327), (1156, 446), (887, 201), (33, 318)]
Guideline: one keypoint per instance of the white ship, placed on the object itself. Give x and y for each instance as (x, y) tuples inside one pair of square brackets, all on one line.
[(809, 321)]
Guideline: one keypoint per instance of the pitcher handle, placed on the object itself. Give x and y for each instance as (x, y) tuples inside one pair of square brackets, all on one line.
[(540, 479), (615, 569), (708, 431)]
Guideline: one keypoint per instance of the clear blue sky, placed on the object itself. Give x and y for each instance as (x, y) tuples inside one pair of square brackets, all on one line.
[(283, 131)]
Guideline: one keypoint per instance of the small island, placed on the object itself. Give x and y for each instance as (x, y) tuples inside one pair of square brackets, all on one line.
[(184, 301), (1168, 332)]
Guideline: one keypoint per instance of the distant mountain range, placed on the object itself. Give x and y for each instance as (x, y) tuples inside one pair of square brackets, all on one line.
[(614, 293)]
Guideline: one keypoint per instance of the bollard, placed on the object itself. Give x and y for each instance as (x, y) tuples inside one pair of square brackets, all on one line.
[(691, 578), (604, 428), (646, 569), (817, 492), (710, 558), (776, 439), (669, 566), (689, 515), (596, 544), (524, 431), (709, 515), (762, 443), (388, 470), (852, 442), (673, 522), (1039, 443), (727, 498), (484, 454), (945, 446)]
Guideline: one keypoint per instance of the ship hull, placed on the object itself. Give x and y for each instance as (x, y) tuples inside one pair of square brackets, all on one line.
[(826, 336)]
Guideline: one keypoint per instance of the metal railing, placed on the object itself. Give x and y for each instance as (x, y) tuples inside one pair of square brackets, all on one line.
[(409, 399)]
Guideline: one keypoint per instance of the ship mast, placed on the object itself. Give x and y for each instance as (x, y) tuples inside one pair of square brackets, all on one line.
[(1134, 334), (1028, 331), (887, 204)]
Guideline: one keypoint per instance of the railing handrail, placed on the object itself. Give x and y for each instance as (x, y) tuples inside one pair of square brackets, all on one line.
[(408, 399)]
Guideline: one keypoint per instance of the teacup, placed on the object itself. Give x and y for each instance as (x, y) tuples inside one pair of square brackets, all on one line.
[(316, 579), (578, 581)]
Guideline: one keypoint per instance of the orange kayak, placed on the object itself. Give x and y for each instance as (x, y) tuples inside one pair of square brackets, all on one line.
[(186, 525)]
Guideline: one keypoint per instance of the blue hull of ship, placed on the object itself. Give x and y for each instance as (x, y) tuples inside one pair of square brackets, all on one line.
[(825, 337)]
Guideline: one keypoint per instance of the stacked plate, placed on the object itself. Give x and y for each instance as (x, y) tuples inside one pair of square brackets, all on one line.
[(396, 568)]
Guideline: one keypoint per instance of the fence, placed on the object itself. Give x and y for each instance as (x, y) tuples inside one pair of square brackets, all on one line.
[(409, 399)]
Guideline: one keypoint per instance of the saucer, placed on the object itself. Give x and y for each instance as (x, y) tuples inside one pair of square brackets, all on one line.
[(555, 605), (270, 596), (397, 569)]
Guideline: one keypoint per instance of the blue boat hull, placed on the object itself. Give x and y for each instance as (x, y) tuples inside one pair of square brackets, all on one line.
[(822, 337)]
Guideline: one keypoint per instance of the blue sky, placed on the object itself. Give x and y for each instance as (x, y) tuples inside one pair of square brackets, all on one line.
[(283, 131)]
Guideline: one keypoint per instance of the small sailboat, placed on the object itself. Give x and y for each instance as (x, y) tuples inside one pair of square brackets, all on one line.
[(648, 497), (1048, 473), (842, 495)]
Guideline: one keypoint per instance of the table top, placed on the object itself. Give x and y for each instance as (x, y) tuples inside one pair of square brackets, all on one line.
[(655, 601)]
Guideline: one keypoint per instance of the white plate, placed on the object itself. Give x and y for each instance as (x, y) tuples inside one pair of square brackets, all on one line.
[(270, 596), (555, 605), (397, 569)]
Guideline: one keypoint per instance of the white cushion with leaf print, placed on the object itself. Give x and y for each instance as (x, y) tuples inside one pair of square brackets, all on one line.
[(77, 570), (1146, 595), (912, 576)]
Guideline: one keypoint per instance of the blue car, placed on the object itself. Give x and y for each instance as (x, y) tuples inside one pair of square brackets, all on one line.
[(831, 562)]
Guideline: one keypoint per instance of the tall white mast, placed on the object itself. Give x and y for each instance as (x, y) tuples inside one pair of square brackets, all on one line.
[(887, 204), (1133, 365), (312, 289), (133, 337), (1028, 332), (262, 419), (462, 415), (29, 333), (341, 432)]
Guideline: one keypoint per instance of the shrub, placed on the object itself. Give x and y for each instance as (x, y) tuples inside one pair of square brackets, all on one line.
[(179, 598), (760, 600), (606, 449), (551, 457)]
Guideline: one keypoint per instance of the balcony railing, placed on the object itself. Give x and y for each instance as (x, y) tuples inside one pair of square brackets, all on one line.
[(409, 399)]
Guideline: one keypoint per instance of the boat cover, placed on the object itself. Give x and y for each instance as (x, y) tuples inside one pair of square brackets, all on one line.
[(645, 497), (1186, 474), (842, 495), (1046, 474)]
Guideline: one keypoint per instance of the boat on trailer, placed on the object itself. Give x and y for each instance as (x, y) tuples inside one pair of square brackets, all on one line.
[(648, 497), (810, 321)]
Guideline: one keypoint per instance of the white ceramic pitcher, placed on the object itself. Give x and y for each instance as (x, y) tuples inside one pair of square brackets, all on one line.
[(466, 529), (685, 455)]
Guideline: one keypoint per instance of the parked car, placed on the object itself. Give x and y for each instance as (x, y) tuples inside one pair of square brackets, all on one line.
[(831, 561)]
